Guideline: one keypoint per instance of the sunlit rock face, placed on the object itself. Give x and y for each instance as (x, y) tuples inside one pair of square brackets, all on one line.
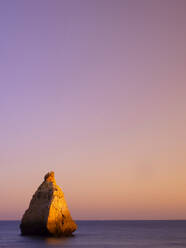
[(48, 213)]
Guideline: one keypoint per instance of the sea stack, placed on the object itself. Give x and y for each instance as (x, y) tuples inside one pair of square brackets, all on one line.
[(48, 213)]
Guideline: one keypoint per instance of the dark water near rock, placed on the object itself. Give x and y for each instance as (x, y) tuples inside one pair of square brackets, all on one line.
[(103, 234)]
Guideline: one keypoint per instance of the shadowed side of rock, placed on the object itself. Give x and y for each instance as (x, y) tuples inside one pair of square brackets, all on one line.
[(48, 213)]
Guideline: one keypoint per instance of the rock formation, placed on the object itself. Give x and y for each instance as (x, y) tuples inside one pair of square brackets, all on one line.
[(48, 213)]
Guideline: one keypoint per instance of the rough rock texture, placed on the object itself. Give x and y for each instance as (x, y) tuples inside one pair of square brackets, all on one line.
[(48, 213)]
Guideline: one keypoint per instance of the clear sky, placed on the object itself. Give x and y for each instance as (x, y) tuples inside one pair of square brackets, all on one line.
[(96, 91)]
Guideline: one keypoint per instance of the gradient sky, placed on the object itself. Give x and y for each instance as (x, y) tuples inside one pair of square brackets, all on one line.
[(96, 91)]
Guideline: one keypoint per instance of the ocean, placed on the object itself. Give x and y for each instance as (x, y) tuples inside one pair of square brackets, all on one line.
[(103, 234)]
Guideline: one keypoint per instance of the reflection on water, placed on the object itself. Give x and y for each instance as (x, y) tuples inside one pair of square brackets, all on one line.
[(56, 241), (43, 241)]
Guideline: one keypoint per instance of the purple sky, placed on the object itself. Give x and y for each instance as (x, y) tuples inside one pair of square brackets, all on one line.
[(96, 91)]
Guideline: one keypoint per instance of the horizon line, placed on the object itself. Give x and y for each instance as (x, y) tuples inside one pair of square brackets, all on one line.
[(111, 219)]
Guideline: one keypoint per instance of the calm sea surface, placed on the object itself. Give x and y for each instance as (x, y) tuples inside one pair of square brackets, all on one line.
[(103, 234)]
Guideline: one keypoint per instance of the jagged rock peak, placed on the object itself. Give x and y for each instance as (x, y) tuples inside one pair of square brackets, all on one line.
[(48, 213), (49, 177)]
